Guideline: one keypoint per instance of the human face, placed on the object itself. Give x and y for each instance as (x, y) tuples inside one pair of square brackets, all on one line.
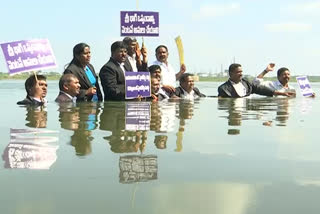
[(156, 74), (188, 84), (155, 86), (162, 55), (40, 89), (236, 75), (120, 55), (132, 48), (73, 87), (284, 77), (85, 56)]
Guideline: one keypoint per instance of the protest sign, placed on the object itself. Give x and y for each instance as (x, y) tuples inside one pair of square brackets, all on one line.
[(138, 116), (304, 86), (137, 84), (180, 49), (28, 55), (138, 168), (139, 23)]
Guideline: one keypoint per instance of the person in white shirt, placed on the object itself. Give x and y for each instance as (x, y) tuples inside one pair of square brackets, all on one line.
[(169, 76), (282, 84), (134, 54), (69, 88), (236, 86)]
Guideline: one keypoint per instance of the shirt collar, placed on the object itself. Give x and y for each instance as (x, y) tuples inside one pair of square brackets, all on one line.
[(74, 99)]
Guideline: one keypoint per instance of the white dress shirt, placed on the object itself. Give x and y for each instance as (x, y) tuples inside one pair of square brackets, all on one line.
[(240, 89), (168, 74)]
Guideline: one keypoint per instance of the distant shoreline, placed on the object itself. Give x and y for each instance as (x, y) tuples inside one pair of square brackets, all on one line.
[(56, 76)]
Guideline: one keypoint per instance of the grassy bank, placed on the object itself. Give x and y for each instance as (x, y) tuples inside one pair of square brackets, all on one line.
[(23, 76)]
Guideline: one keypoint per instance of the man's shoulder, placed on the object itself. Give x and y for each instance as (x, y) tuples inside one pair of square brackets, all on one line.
[(110, 65), (29, 101), (63, 98), (226, 83)]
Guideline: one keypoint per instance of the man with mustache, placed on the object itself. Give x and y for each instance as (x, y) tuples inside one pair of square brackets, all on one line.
[(282, 84), (112, 73), (237, 87), (69, 88), (169, 76)]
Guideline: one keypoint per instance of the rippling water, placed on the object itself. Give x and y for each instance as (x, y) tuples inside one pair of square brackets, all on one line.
[(237, 156)]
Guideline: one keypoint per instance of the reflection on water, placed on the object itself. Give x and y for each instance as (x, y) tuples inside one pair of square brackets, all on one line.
[(241, 109), (82, 119), (251, 155), (136, 168), (36, 117), (30, 149)]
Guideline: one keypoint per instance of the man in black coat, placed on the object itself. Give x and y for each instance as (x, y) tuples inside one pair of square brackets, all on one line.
[(186, 89), (36, 88), (238, 87), (112, 73), (69, 88)]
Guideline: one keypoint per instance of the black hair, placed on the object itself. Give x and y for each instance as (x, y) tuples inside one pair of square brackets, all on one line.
[(78, 49), (153, 68), (117, 45), (31, 82), (281, 70), (233, 67), (65, 79), (161, 46), (184, 77), (127, 40)]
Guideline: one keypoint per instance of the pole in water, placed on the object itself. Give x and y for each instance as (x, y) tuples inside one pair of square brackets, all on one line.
[(137, 4)]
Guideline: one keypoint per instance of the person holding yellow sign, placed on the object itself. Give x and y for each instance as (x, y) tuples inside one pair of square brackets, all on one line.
[(169, 76)]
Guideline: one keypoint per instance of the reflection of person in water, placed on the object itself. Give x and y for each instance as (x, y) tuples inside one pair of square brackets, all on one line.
[(161, 141), (124, 141), (185, 113), (234, 107), (36, 118), (81, 140), (82, 119), (121, 141), (282, 112)]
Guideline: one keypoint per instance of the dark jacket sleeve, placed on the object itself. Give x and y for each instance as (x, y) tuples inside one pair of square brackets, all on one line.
[(262, 90), (143, 67), (112, 90), (222, 92), (197, 91)]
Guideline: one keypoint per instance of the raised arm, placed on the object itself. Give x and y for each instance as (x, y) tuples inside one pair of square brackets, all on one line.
[(269, 68), (182, 70)]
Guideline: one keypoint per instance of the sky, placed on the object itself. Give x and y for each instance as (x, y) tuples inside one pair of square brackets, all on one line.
[(214, 33)]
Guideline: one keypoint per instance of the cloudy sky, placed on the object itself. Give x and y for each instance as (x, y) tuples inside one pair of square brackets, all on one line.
[(214, 33)]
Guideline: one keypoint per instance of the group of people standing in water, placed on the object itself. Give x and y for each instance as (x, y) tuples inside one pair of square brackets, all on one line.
[(80, 81)]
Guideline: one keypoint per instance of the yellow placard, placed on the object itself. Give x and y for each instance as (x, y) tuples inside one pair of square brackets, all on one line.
[(180, 49)]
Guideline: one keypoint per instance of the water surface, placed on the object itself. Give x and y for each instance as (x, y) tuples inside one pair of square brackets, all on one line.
[(237, 156)]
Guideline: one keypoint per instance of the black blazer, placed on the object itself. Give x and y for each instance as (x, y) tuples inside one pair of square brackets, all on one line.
[(179, 92), (63, 98), (29, 101), (112, 80), (85, 83), (227, 90)]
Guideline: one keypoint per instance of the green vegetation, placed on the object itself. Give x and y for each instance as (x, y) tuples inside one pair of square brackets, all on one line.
[(23, 76)]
